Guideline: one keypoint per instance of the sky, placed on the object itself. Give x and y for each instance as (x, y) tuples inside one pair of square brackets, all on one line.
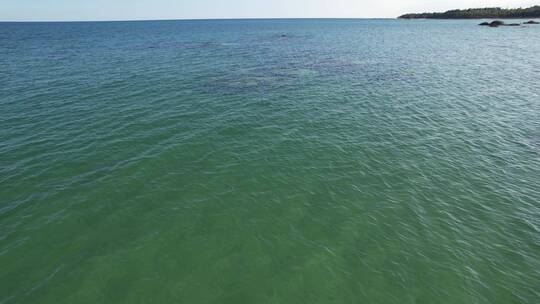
[(75, 10)]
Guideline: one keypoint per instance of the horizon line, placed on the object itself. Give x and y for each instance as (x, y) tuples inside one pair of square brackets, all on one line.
[(200, 19)]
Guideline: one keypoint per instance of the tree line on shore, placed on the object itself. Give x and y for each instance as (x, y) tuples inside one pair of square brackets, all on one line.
[(479, 13)]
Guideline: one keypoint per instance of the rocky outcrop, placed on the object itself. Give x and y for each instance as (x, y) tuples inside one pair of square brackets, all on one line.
[(498, 23)]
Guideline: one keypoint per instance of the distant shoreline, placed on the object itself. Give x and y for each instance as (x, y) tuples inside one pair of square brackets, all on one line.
[(480, 13)]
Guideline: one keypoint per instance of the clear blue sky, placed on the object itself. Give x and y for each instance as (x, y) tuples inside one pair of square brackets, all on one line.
[(19, 10)]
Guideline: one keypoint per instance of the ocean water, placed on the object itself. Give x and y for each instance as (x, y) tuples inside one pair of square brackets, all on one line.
[(269, 161)]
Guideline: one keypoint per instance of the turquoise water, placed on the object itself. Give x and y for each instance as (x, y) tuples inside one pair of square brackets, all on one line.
[(269, 161)]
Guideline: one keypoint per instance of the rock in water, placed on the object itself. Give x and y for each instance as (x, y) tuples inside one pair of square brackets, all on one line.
[(496, 23), (531, 22)]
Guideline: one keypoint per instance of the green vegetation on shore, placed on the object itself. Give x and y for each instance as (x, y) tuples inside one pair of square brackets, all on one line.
[(478, 13)]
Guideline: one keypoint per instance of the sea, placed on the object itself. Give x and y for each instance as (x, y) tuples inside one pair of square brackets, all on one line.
[(269, 161)]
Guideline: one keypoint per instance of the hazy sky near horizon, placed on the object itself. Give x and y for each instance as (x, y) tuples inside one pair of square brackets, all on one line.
[(56, 10)]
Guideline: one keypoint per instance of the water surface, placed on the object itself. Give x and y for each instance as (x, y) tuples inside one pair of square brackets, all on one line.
[(269, 161)]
